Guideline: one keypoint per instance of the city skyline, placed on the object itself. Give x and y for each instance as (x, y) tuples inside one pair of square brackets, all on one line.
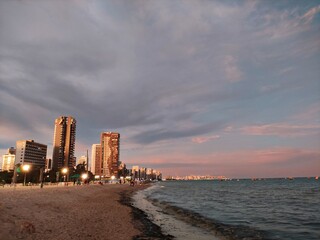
[(193, 87)]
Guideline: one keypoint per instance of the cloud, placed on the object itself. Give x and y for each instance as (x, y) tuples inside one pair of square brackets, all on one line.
[(151, 136), (279, 25), (283, 156), (200, 140), (308, 114), (160, 73), (269, 162), (309, 16), (232, 70), (281, 129)]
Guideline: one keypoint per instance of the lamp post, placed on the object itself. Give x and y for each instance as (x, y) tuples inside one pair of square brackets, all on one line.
[(84, 176), (112, 179), (64, 172), (25, 168)]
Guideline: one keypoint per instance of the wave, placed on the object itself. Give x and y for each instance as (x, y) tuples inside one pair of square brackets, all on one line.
[(221, 230)]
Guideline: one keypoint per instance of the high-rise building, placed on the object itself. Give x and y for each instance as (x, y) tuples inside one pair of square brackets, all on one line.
[(31, 152), (96, 166), (64, 142), (110, 151), (8, 160)]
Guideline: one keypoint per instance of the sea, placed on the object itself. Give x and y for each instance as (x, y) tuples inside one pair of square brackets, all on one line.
[(286, 209)]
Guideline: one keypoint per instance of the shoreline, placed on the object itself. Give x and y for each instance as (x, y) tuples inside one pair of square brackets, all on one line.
[(148, 229), (74, 212), (170, 223)]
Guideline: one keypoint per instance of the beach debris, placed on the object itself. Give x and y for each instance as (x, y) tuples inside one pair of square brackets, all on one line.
[(27, 227)]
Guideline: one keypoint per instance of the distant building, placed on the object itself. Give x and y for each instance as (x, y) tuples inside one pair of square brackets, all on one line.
[(96, 166), (12, 150), (123, 171), (64, 143), (122, 165), (158, 175), (143, 173), (8, 160), (110, 153), (82, 160), (135, 171), (48, 164), (31, 152), (149, 174)]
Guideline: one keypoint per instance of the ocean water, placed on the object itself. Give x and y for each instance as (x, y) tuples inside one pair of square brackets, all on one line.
[(264, 209)]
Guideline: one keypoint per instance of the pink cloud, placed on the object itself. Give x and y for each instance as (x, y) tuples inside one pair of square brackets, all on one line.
[(200, 140), (308, 16), (281, 129), (310, 113), (273, 162), (228, 129), (281, 155)]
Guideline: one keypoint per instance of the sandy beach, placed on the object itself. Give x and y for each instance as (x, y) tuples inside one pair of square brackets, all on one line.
[(73, 212)]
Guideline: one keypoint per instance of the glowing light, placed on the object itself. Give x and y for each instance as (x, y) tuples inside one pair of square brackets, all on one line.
[(96, 176), (84, 176), (113, 177), (64, 170), (26, 167)]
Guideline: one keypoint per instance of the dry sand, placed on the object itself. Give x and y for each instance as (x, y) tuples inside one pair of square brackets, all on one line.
[(73, 212)]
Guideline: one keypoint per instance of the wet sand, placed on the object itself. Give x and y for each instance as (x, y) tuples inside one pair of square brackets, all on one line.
[(175, 224), (73, 212)]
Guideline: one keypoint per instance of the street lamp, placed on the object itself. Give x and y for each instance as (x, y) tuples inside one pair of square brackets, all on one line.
[(112, 179), (64, 172), (84, 176), (25, 168)]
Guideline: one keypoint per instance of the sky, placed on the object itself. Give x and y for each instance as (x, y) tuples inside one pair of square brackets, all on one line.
[(194, 87)]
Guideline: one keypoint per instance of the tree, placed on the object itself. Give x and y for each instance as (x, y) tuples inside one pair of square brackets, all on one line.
[(82, 168)]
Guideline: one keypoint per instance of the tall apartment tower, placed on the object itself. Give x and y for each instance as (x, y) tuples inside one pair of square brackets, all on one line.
[(31, 152), (110, 151), (64, 142), (96, 166)]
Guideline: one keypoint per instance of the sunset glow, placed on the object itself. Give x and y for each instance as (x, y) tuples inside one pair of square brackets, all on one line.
[(194, 87)]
